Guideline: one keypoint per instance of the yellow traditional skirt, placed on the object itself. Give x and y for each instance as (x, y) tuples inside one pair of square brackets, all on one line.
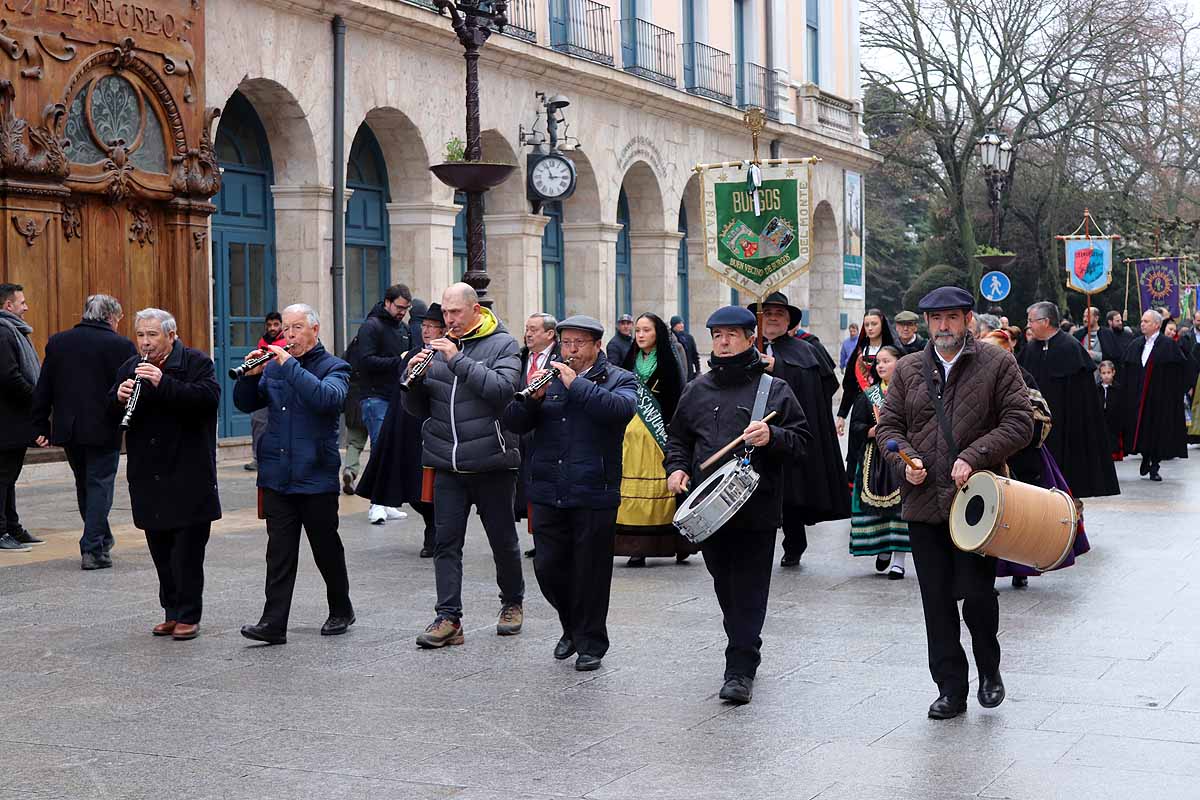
[(644, 525)]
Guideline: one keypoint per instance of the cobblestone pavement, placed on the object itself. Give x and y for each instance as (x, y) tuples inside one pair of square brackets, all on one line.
[(1100, 663)]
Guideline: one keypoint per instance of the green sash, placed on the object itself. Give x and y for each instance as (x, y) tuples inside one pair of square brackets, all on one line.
[(650, 413)]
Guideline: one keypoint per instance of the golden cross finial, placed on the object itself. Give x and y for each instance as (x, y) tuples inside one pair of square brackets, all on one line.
[(755, 120)]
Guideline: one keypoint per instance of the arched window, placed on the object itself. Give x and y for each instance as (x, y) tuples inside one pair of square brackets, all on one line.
[(460, 236), (624, 282), (108, 112), (367, 266)]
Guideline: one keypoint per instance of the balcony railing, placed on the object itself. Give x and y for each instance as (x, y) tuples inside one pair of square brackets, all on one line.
[(522, 16), (582, 28), (648, 50), (831, 114), (707, 72), (756, 88)]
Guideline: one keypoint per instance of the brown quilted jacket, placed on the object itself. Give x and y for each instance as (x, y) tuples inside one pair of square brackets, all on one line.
[(987, 404)]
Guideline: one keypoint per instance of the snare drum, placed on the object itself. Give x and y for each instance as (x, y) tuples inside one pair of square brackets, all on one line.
[(1019, 522), (715, 501)]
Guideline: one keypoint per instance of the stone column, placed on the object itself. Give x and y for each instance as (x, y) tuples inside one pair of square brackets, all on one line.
[(825, 287), (422, 246), (654, 256), (304, 248), (706, 293), (589, 258), (514, 246)]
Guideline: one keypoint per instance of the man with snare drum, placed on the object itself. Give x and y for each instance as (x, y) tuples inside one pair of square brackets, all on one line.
[(953, 409), (725, 405)]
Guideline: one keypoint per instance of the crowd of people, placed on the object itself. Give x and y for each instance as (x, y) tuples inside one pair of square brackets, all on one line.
[(593, 442)]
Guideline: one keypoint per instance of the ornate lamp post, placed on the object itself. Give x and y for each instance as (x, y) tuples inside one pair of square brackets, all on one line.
[(996, 153), (474, 21)]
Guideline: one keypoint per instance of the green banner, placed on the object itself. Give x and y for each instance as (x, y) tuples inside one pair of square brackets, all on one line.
[(758, 233)]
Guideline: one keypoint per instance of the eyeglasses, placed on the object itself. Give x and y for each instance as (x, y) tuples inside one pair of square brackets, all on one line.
[(573, 343), (1038, 319)]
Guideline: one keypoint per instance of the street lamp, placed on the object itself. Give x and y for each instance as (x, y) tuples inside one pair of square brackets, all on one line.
[(473, 22), (996, 153)]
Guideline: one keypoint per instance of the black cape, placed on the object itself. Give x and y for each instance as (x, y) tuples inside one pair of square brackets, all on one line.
[(1079, 437), (1154, 423), (1113, 404), (393, 473), (815, 488)]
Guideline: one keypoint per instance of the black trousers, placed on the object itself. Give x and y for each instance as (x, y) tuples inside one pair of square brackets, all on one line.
[(426, 512), (178, 556), (11, 462), (317, 514), (740, 561), (795, 538), (947, 575), (492, 495), (573, 565)]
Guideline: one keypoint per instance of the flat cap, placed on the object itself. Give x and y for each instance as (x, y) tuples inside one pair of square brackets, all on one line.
[(946, 298), (906, 316), (675, 320), (582, 322), (732, 317), (625, 318)]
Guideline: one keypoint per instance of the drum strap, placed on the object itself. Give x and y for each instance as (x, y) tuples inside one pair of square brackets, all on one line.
[(939, 408), (760, 399)]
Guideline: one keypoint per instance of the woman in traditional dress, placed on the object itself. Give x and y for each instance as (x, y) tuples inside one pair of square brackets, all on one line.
[(875, 525), (1035, 465), (875, 333), (644, 520)]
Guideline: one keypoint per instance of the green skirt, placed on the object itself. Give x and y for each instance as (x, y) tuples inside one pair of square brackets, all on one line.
[(875, 530)]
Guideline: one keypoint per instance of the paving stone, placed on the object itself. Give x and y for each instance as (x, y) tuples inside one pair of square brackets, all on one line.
[(1063, 782)]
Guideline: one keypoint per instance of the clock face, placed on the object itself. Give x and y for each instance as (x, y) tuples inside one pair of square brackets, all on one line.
[(551, 177)]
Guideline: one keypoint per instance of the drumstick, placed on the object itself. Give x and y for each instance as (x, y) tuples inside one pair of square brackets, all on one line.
[(724, 451), (893, 447)]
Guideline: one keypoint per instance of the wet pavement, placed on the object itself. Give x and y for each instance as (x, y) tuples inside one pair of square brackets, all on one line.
[(1100, 662)]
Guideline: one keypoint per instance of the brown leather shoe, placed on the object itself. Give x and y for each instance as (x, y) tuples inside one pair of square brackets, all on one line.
[(184, 630), (164, 628)]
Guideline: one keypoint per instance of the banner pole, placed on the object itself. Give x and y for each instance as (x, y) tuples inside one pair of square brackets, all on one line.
[(1126, 315)]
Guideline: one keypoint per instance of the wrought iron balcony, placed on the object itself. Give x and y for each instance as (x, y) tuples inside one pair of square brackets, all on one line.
[(648, 50), (756, 88), (522, 20), (582, 28), (707, 72)]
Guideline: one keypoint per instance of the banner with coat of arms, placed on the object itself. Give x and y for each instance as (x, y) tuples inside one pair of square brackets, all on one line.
[(758, 222), (1089, 257)]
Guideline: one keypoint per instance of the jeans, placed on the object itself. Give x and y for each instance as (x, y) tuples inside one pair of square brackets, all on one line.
[(317, 514), (11, 462), (95, 470), (492, 495), (374, 409), (179, 561)]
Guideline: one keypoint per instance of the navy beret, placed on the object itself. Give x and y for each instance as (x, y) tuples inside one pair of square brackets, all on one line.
[(732, 317), (582, 322), (947, 298)]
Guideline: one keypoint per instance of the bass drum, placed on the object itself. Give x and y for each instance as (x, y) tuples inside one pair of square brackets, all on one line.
[(996, 516)]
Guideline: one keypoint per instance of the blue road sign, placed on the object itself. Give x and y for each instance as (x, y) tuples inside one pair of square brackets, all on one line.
[(995, 286)]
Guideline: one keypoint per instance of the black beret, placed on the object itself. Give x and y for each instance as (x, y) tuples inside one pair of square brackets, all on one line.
[(947, 298), (732, 317)]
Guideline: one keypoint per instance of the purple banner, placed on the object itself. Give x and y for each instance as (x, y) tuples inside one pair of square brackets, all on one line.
[(1158, 283)]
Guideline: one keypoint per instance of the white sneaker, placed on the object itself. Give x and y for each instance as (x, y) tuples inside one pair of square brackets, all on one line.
[(377, 515), (394, 513)]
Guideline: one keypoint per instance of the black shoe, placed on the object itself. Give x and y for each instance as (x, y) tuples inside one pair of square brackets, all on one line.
[(564, 649), (1144, 468), (636, 561), (23, 536), (347, 481), (90, 561), (586, 663), (261, 633), (947, 707), (10, 544), (895, 573), (107, 547), (882, 561), (426, 552), (336, 626), (738, 689), (682, 558), (991, 690), (1154, 476), (251, 467), (531, 552), (1020, 581), (789, 561)]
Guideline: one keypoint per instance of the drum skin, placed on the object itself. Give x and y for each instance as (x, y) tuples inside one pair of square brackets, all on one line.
[(715, 501), (996, 516)]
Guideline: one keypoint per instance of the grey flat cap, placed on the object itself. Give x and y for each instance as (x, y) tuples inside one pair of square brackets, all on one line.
[(582, 322)]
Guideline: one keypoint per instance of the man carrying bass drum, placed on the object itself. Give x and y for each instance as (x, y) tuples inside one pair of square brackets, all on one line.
[(956, 408), (715, 409)]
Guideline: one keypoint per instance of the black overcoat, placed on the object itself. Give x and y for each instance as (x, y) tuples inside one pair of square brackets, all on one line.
[(1078, 439), (393, 473), (1154, 422), (172, 442)]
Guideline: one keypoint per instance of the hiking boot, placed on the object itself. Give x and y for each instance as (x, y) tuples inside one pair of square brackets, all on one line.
[(440, 633), (512, 615)]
